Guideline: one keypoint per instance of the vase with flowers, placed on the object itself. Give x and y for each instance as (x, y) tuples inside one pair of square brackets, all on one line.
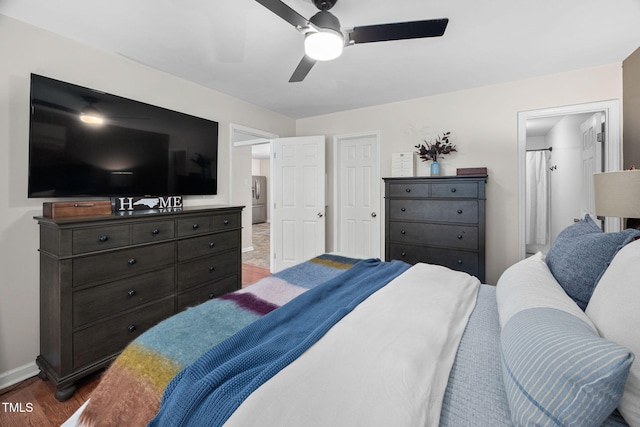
[(435, 150)]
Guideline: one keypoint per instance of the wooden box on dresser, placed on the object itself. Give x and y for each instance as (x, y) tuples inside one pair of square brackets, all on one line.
[(438, 220), (105, 280)]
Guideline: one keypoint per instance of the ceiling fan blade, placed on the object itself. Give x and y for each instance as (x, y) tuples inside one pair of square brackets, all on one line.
[(398, 31), (302, 69), (285, 12)]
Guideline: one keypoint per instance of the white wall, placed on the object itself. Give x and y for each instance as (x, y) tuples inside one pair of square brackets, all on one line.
[(483, 122), (24, 50), (566, 192), (536, 142)]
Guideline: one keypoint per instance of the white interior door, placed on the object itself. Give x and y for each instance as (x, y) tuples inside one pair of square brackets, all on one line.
[(358, 190), (591, 159), (298, 217)]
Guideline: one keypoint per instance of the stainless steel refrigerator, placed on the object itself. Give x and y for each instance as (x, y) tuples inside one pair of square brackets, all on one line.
[(259, 194)]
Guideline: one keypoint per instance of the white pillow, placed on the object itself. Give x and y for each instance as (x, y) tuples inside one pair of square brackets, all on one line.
[(615, 310), (557, 370), (530, 284)]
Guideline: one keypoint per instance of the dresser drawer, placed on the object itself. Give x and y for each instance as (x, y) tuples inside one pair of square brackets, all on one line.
[(99, 238), (210, 268), (94, 303), (209, 244), (442, 235), (108, 338), (194, 225), (409, 189), (207, 292), (152, 231), (225, 221), (126, 262), (454, 211), (452, 189), (454, 259)]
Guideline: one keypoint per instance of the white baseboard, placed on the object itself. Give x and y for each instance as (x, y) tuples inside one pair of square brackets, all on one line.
[(248, 249), (14, 376)]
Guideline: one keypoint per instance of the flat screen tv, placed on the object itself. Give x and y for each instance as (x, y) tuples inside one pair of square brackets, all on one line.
[(83, 142)]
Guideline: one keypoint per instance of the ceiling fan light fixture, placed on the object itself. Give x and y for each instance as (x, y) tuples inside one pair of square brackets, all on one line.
[(325, 38), (323, 45)]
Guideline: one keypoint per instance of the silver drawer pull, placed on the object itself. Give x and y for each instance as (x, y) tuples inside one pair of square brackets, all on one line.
[(212, 268), (155, 231), (453, 190), (403, 209), (131, 292), (403, 232), (403, 253), (408, 190), (459, 236), (459, 211), (103, 238), (131, 261), (131, 328), (459, 262), (211, 244), (195, 226), (211, 296), (225, 222)]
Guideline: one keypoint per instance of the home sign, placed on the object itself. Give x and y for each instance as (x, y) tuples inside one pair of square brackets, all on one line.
[(162, 203)]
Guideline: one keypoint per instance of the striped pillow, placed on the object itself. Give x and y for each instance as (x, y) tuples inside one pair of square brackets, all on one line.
[(558, 371)]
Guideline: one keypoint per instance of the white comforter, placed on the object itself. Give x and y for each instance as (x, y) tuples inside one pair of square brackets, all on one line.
[(385, 364)]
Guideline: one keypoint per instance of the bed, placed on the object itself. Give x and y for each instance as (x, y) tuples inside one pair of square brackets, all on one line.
[(342, 341)]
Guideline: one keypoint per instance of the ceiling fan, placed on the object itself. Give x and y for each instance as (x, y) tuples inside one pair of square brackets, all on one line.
[(324, 39)]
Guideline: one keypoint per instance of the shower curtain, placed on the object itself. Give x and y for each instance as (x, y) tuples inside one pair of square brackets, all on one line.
[(537, 198)]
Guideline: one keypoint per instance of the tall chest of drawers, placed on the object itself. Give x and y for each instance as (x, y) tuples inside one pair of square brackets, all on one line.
[(105, 280), (437, 220)]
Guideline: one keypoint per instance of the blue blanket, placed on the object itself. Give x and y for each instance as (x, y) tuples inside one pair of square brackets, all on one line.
[(210, 390)]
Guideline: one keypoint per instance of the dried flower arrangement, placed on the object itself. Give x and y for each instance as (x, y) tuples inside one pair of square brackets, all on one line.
[(435, 150)]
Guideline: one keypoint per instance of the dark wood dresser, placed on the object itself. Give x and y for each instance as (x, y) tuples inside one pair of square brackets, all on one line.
[(437, 220), (105, 280)]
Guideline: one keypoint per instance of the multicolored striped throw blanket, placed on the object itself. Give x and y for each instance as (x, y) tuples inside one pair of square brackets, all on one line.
[(211, 389), (130, 392)]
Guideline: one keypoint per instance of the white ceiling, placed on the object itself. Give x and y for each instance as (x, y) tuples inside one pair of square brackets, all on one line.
[(240, 48)]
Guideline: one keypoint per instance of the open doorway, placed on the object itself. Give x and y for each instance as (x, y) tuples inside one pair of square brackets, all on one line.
[(250, 158), (559, 149), (260, 201)]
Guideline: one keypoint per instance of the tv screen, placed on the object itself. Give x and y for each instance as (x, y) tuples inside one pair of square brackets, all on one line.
[(83, 142)]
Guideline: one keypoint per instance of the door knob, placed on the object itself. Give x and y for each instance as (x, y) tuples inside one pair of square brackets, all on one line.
[(373, 214), (320, 214)]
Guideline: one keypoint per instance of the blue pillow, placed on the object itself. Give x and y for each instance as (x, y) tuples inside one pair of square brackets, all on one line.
[(580, 255), (558, 371)]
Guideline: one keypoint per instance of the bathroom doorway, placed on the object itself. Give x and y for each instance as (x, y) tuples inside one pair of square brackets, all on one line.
[(556, 165)]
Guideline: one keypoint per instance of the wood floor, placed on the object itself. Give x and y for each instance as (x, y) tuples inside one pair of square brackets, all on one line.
[(31, 402), (252, 273)]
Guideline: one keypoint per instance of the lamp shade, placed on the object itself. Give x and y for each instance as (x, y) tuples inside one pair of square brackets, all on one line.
[(617, 194)]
